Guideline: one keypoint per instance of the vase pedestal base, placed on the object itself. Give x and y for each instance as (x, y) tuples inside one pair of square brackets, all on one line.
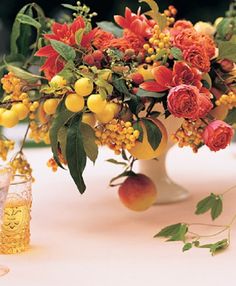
[(168, 192)]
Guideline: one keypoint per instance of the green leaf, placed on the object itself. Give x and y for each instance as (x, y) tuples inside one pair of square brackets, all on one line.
[(113, 161), (67, 52), (102, 91), (61, 118), (111, 28), (78, 36), (104, 84), (226, 28), (217, 208), (71, 7), (25, 19), (124, 174), (187, 246), (120, 85), (207, 80), (137, 126), (67, 71), (154, 134), (135, 104), (75, 153), (16, 31), (176, 53), (231, 116), (227, 50), (23, 74), (205, 205), (62, 138), (90, 147), (144, 93), (175, 232)]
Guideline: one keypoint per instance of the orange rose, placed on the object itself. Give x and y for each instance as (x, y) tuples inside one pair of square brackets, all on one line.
[(197, 57)]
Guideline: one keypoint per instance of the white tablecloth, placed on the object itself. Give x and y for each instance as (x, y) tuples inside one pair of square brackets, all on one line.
[(92, 240)]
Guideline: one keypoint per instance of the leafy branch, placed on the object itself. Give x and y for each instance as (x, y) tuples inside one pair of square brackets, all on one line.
[(183, 231)]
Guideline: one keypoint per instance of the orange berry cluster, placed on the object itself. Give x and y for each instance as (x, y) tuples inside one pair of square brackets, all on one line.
[(170, 13), (228, 99), (51, 163), (5, 147), (117, 135), (39, 132), (158, 42), (12, 85), (20, 165), (189, 134)]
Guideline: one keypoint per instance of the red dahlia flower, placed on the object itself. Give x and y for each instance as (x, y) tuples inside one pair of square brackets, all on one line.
[(165, 78), (137, 23), (64, 33)]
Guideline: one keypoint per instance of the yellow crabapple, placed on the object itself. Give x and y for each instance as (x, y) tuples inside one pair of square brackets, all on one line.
[(74, 102), (96, 103), (83, 86)]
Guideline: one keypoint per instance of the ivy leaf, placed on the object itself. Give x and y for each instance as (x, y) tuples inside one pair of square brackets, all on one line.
[(217, 208), (144, 93), (137, 126), (187, 246), (61, 118), (75, 153), (175, 232), (90, 147), (113, 161), (205, 204), (67, 52), (154, 134), (213, 203), (216, 247), (176, 53), (111, 28)]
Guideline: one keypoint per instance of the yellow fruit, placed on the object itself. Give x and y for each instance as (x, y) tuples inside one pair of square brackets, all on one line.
[(106, 75), (74, 102), (58, 81), (138, 192), (116, 107), (21, 110), (143, 150), (96, 103), (9, 118), (89, 118), (219, 112), (1, 112), (107, 114), (50, 106), (83, 86), (146, 71)]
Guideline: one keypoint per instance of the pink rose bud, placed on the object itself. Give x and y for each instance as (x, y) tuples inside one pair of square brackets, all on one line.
[(217, 135)]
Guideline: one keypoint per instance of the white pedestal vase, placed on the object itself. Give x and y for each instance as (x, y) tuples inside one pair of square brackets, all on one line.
[(168, 191)]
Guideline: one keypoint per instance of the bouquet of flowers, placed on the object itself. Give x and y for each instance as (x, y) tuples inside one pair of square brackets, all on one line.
[(115, 84)]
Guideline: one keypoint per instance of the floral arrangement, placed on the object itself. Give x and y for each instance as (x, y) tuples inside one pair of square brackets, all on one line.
[(114, 85)]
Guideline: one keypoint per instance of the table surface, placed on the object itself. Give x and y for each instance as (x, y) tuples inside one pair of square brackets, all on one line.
[(92, 240)]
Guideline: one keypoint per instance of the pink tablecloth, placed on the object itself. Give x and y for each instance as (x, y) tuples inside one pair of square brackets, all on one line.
[(92, 240)]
